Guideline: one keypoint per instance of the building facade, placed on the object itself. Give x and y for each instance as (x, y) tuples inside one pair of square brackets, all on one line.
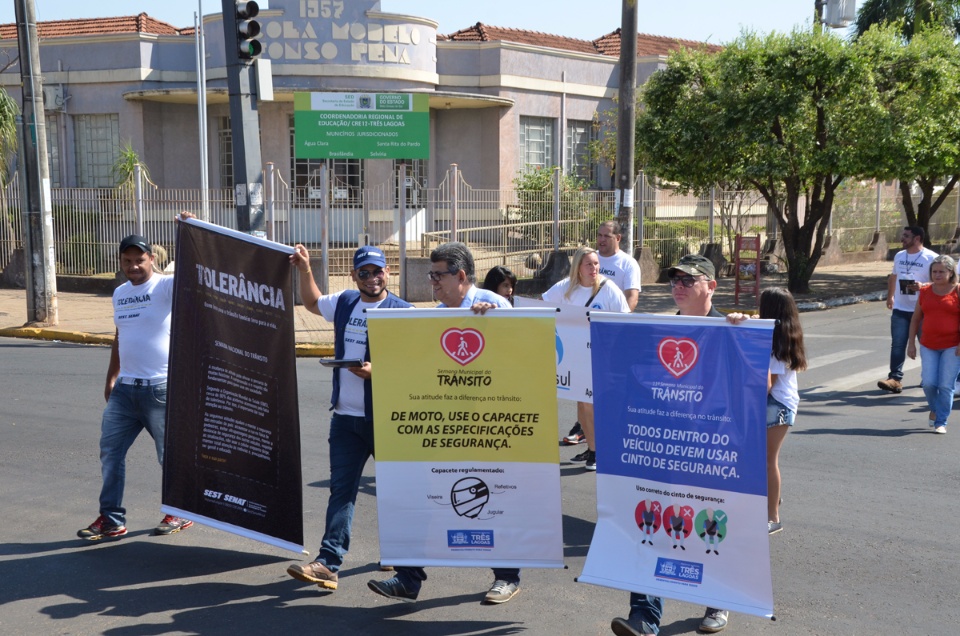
[(501, 100)]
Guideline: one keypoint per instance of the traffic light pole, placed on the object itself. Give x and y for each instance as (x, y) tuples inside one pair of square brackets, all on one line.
[(244, 117)]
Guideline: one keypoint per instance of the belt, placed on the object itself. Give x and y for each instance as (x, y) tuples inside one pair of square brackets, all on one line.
[(140, 382)]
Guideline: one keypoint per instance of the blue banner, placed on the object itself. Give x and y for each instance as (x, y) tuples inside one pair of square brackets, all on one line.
[(680, 410)]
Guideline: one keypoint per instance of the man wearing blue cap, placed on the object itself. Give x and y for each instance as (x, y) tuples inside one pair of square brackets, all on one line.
[(351, 427)]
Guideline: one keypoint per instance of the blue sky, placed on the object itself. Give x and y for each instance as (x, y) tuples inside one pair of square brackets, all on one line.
[(715, 21)]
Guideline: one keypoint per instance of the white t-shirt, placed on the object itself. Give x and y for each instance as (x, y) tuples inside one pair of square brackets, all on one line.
[(622, 269), (784, 389), (350, 400), (609, 298), (141, 314), (915, 267)]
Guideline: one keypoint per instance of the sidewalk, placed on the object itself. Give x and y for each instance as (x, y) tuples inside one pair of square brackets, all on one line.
[(88, 318)]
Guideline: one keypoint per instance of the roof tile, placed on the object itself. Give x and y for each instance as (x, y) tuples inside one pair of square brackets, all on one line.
[(141, 23)]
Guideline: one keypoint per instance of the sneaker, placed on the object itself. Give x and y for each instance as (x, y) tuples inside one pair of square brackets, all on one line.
[(393, 588), (891, 385), (773, 527), (314, 572), (581, 457), (102, 528), (591, 461), (621, 627), (171, 525), (714, 620), (575, 436), (385, 568), (501, 592), (940, 430)]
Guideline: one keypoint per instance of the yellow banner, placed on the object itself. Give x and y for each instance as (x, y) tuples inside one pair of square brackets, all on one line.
[(452, 386)]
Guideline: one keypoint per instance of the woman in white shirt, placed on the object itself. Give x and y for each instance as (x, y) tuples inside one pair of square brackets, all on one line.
[(586, 287)]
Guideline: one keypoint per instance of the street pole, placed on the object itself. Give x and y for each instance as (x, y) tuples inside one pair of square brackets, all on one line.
[(626, 123), (40, 266), (202, 112), (244, 123)]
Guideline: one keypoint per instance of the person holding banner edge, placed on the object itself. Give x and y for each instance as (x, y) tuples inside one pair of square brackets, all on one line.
[(622, 269), (136, 385), (453, 276), (351, 427), (586, 287), (692, 283)]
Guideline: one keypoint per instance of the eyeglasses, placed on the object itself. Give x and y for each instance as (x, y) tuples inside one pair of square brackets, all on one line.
[(686, 281), (436, 276), (364, 274)]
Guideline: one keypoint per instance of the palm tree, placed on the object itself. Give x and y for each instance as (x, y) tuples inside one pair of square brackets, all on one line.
[(910, 14)]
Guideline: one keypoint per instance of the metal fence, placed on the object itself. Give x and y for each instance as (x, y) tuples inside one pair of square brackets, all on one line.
[(511, 227)]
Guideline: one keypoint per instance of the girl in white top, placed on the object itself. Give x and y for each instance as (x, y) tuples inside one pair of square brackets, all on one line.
[(586, 287), (783, 398)]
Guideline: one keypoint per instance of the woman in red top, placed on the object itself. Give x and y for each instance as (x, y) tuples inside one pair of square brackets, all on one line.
[(937, 319)]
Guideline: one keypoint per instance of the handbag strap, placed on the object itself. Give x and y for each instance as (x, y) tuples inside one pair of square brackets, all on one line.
[(604, 282)]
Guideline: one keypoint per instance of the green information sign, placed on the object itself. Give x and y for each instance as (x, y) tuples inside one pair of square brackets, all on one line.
[(361, 125)]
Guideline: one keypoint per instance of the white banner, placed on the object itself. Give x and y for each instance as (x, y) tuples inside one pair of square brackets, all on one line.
[(574, 375)]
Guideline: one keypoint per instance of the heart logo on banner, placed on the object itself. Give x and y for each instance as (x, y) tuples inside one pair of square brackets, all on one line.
[(463, 345), (678, 355)]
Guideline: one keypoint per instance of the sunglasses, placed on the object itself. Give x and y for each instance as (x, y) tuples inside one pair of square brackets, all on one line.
[(436, 276), (686, 281), (364, 274)]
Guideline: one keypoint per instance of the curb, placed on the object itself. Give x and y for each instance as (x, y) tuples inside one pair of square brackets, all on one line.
[(79, 337), (326, 350), (55, 335), (840, 302)]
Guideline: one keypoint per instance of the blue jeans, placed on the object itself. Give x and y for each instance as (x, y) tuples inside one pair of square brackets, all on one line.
[(646, 609), (129, 410), (899, 332), (938, 376), (413, 577), (351, 444)]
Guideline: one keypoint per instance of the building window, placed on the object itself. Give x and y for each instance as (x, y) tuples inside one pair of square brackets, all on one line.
[(416, 181), (98, 143), (225, 148), (536, 143), (53, 148), (346, 179), (580, 134)]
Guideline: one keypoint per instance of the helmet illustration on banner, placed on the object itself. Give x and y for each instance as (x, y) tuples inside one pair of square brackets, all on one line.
[(468, 497)]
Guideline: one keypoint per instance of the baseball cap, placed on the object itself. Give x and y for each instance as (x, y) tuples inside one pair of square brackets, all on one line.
[(695, 265), (137, 241), (368, 256)]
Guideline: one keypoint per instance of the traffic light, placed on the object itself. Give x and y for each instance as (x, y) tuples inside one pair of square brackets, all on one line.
[(248, 29)]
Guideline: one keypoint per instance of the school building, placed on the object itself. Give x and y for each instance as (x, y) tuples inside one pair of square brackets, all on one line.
[(501, 100)]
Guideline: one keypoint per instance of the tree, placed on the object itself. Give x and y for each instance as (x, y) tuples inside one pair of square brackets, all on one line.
[(909, 16), (919, 87), (8, 148), (789, 114)]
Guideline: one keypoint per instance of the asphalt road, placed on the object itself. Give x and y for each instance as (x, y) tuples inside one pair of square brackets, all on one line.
[(869, 508)]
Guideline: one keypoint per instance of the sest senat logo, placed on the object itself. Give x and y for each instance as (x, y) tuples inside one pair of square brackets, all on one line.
[(462, 345), (678, 355)]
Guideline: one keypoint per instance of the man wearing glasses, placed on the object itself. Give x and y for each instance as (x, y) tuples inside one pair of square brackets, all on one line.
[(351, 427), (453, 276), (692, 282)]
